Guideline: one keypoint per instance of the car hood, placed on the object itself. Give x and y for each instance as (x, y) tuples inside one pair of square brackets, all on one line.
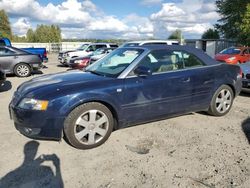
[(223, 56), (58, 81)]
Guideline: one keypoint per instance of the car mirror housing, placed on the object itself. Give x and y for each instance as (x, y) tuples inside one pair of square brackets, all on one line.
[(142, 71)]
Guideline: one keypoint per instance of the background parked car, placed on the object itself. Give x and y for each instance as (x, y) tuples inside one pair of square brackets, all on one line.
[(19, 62), (234, 55), (42, 52), (89, 49), (2, 77), (129, 86), (245, 67), (82, 62), (150, 42), (62, 54)]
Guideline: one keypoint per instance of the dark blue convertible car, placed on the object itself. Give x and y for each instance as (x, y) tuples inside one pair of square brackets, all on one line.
[(129, 86)]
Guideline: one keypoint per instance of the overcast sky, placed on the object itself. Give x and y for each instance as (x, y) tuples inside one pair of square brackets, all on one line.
[(122, 19)]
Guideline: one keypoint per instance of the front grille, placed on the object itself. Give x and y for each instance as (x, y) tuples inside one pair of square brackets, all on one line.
[(248, 76)]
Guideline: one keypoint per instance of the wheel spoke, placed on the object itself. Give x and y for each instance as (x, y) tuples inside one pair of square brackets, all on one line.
[(100, 131), (219, 100), (81, 134), (220, 107), (228, 101), (102, 120), (82, 122), (227, 94), (91, 138), (92, 116), (224, 108)]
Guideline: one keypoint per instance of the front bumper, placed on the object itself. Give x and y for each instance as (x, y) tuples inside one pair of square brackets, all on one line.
[(37, 124), (246, 83)]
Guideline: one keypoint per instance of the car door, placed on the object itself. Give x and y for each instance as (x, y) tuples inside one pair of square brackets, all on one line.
[(202, 79), (7, 57), (166, 92), (245, 55)]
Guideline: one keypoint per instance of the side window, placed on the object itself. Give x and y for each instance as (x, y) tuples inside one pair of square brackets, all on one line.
[(114, 46), (162, 61), (191, 60), (246, 52), (101, 46), (5, 52)]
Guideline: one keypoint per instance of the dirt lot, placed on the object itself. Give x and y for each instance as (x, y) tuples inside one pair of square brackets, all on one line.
[(194, 150)]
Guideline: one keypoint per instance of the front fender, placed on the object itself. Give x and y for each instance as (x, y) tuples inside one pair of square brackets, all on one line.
[(76, 100)]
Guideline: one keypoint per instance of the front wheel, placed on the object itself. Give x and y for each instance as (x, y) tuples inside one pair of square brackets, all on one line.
[(222, 101), (22, 70), (89, 125)]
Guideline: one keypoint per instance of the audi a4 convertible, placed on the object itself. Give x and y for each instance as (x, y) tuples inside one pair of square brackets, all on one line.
[(129, 86)]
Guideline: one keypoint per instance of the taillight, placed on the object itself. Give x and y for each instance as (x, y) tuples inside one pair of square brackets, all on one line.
[(240, 74), (45, 53)]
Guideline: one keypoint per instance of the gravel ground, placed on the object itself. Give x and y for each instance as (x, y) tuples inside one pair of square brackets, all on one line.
[(194, 150)]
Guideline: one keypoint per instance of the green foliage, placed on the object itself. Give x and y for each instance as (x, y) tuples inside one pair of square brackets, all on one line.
[(245, 26), (44, 33), (177, 34), (5, 29), (211, 34), (232, 15), (16, 38)]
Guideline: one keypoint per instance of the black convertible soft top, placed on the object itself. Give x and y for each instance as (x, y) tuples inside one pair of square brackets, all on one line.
[(197, 52)]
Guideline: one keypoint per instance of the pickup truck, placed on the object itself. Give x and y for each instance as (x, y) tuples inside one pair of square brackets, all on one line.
[(37, 51)]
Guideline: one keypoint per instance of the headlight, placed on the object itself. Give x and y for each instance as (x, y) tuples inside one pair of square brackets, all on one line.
[(33, 104), (231, 58), (78, 61)]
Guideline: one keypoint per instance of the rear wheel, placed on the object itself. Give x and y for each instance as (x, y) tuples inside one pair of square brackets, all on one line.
[(88, 125), (22, 70), (222, 101)]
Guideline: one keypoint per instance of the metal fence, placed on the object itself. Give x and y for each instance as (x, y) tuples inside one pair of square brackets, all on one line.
[(50, 47)]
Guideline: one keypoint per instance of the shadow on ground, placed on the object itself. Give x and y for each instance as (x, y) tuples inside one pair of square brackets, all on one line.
[(6, 86), (246, 128), (33, 172), (245, 93)]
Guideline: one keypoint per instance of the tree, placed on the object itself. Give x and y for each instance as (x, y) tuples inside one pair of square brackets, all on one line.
[(44, 33), (5, 29), (232, 13), (177, 34), (245, 26), (211, 34), (30, 35)]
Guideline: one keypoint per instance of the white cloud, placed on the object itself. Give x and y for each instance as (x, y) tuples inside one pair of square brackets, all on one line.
[(193, 23), (21, 26), (83, 19)]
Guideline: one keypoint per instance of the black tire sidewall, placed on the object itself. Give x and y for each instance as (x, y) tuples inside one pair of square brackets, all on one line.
[(17, 74), (212, 109), (69, 124)]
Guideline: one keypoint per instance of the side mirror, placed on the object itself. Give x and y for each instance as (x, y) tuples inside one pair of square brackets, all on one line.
[(142, 71)]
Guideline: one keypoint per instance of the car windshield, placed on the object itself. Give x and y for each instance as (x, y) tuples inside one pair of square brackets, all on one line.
[(99, 51), (231, 51), (83, 47), (115, 62)]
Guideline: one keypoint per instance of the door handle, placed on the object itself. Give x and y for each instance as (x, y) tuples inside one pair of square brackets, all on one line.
[(15, 57), (185, 80)]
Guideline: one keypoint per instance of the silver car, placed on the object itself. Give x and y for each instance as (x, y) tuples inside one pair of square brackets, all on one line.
[(19, 62)]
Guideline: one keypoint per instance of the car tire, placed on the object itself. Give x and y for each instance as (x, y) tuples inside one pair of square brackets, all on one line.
[(222, 101), (88, 125), (22, 70)]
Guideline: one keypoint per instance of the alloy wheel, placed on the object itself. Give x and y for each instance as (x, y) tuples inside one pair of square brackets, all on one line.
[(91, 127)]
